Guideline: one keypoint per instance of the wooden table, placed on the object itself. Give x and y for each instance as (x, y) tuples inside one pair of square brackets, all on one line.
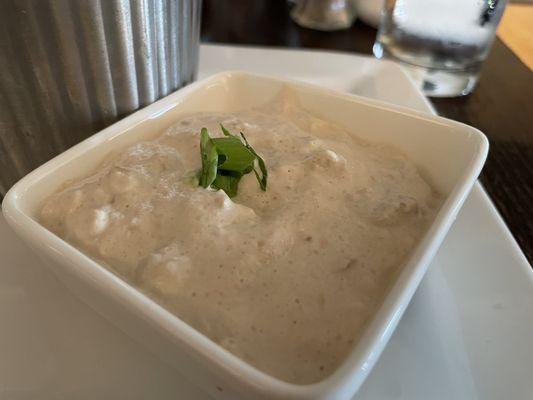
[(501, 106)]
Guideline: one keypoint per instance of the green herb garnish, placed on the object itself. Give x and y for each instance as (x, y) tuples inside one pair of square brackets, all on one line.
[(225, 160), (209, 159), (228, 183), (263, 179)]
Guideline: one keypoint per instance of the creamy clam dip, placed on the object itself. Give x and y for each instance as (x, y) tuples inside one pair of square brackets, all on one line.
[(286, 278)]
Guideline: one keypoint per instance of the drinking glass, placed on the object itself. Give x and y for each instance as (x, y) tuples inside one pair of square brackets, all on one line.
[(445, 41)]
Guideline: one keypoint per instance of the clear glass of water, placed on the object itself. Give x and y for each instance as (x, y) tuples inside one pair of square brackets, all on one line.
[(445, 41)]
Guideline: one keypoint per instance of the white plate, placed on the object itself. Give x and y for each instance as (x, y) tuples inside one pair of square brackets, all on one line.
[(467, 333)]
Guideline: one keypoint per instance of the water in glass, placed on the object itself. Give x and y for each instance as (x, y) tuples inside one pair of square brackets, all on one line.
[(445, 40)]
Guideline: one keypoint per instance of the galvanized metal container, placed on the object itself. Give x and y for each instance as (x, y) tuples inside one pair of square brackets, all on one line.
[(68, 68)]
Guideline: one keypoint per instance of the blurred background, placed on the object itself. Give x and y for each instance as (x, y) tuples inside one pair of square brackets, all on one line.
[(500, 104)]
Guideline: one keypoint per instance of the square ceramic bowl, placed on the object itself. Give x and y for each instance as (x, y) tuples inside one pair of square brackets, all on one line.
[(449, 154)]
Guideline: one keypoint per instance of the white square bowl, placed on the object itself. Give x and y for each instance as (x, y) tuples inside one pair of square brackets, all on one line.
[(449, 154)]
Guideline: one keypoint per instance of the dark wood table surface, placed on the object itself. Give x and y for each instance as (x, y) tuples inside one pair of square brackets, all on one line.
[(501, 105)]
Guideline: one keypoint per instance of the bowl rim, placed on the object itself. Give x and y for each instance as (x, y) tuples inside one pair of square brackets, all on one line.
[(347, 378)]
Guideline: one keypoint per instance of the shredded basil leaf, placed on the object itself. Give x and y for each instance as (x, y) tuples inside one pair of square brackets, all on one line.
[(209, 155), (228, 183), (263, 179), (225, 160), (225, 131), (232, 154)]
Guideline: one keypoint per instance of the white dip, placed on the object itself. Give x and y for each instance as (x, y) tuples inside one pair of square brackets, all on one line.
[(285, 279)]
